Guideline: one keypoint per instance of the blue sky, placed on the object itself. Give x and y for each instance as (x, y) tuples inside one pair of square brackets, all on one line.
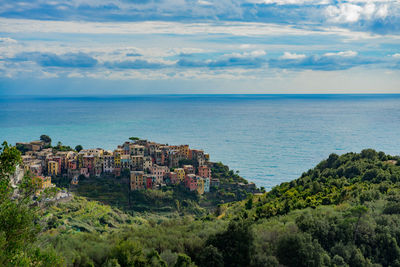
[(199, 46)]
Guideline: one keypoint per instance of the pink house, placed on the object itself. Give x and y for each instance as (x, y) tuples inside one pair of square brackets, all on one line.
[(191, 182), (204, 171)]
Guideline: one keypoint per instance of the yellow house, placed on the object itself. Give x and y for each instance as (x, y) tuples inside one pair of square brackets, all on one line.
[(137, 180), (52, 167), (42, 182), (117, 160), (180, 173), (200, 185)]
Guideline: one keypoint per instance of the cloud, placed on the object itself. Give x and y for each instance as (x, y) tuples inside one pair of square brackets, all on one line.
[(7, 40), (68, 60), (397, 55), (134, 64), (326, 62), (253, 59), (342, 54), (380, 13), (288, 55)]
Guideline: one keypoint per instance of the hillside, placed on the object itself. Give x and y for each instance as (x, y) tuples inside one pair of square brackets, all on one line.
[(343, 212)]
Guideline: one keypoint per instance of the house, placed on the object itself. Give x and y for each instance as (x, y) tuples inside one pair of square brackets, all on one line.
[(188, 169), (147, 163), (173, 178), (159, 172), (191, 182), (42, 182), (137, 162), (180, 173), (200, 185), (136, 180), (150, 180), (52, 168), (125, 162), (204, 171), (108, 163), (214, 182), (206, 184), (85, 172)]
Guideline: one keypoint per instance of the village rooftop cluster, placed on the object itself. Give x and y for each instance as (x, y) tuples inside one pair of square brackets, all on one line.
[(149, 165)]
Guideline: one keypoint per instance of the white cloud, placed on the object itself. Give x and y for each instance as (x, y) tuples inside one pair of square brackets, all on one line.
[(292, 2), (357, 10), (204, 3), (397, 55), (7, 40), (288, 55), (342, 54)]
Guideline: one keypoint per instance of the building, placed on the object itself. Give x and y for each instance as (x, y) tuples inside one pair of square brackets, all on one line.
[(173, 178), (108, 163), (125, 162), (159, 172), (206, 185), (188, 169), (52, 168), (214, 182), (137, 162), (191, 182), (42, 182), (180, 173), (85, 172), (204, 171), (150, 180), (200, 185), (137, 181), (147, 163)]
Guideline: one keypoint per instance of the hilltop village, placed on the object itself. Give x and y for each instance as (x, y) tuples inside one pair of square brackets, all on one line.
[(149, 165)]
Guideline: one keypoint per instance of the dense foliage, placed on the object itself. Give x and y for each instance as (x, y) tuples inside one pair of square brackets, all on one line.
[(20, 216), (344, 212)]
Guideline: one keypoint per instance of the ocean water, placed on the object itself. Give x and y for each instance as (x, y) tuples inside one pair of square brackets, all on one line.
[(268, 138)]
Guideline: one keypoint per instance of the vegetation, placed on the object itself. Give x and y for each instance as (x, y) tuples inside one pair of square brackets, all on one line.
[(344, 212), (78, 148), (20, 218), (46, 139)]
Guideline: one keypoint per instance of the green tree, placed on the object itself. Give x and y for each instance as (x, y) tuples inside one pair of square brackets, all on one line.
[(235, 243), (78, 148), (210, 257), (19, 216), (184, 260), (46, 139)]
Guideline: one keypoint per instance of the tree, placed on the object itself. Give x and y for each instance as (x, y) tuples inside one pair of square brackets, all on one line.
[(235, 243), (299, 250), (19, 216), (210, 257), (78, 148), (184, 261), (134, 138), (45, 138)]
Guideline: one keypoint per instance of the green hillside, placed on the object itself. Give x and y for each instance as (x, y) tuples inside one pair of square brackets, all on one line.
[(343, 212)]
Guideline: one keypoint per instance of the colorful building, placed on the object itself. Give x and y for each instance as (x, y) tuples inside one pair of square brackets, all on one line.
[(207, 184), (204, 171), (52, 168), (42, 182), (180, 172), (200, 185), (137, 181), (191, 182), (188, 169)]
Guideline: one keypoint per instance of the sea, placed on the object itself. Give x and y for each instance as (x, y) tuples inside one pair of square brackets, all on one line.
[(269, 139)]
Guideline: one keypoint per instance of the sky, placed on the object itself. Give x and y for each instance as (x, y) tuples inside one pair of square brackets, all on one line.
[(102, 47)]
